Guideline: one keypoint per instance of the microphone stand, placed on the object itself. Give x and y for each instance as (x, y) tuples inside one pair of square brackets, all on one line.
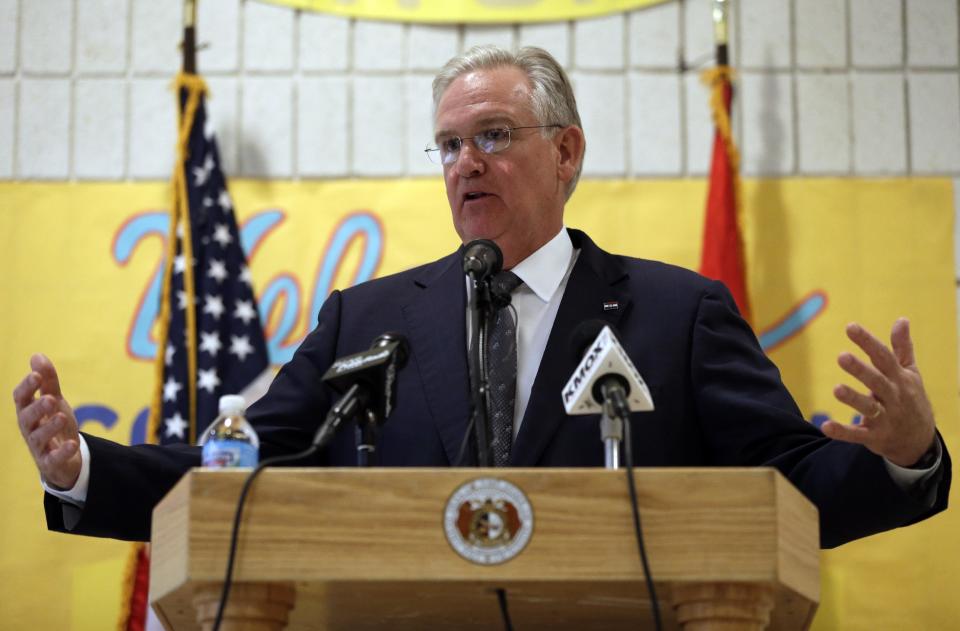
[(479, 319), (615, 414)]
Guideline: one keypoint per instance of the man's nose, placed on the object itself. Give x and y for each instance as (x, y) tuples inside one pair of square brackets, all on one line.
[(470, 160)]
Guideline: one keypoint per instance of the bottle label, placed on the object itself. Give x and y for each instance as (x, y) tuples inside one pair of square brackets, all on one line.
[(221, 454)]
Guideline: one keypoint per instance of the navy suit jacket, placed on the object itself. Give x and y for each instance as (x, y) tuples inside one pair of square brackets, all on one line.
[(719, 400)]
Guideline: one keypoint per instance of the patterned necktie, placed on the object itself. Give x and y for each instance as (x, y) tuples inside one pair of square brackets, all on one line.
[(502, 370)]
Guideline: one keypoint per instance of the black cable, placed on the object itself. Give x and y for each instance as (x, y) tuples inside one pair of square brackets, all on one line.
[(504, 612), (228, 579), (628, 460)]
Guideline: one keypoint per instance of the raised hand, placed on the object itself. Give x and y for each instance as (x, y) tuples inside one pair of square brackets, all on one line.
[(48, 424), (897, 418)]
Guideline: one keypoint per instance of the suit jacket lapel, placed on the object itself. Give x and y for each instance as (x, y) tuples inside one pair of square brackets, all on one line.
[(436, 317), (592, 284)]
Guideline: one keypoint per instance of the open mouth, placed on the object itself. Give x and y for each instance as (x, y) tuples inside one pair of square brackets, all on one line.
[(469, 197)]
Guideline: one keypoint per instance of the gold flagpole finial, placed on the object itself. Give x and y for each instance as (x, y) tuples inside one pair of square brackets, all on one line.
[(189, 13), (720, 10)]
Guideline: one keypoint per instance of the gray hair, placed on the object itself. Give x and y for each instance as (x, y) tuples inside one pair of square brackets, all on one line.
[(552, 99)]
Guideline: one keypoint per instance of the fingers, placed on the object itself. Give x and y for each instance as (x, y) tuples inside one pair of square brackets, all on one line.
[(868, 407), (26, 390), (30, 416), (40, 439), (847, 433), (880, 356), (49, 381), (869, 376), (902, 344)]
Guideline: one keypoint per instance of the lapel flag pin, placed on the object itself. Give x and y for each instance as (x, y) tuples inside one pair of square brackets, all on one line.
[(611, 305)]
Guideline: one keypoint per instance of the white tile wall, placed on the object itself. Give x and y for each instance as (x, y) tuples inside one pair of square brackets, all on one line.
[(266, 146), (378, 139), (601, 102), (268, 37), (654, 36), (427, 44), (821, 33), (46, 36), (7, 129), (879, 123), (644, 116), (551, 36), (932, 33), (767, 105), (44, 113), (823, 123), (378, 45), (934, 101), (598, 43), (322, 112), (153, 128), (218, 25), (155, 37), (765, 40), (876, 33), (102, 36), (8, 35), (419, 125), (479, 35), (223, 100), (324, 42), (655, 140), (100, 129), (699, 124)]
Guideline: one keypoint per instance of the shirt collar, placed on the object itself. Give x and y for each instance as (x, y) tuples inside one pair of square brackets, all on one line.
[(543, 271)]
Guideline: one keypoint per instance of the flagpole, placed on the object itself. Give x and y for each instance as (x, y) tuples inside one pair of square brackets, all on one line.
[(720, 12), (189, 45)]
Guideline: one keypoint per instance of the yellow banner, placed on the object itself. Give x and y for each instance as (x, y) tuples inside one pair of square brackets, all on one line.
[(79, 282), (468, 11)]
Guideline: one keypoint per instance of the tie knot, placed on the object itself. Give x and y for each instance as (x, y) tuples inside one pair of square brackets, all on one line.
[(503, 283)]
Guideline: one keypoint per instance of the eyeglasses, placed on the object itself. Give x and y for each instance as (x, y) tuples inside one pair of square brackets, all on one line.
[(488, 141)]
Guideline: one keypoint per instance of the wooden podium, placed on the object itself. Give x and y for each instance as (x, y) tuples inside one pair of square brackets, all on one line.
[(366, 549)]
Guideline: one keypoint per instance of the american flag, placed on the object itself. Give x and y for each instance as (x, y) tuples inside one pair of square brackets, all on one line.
[(230, 350)]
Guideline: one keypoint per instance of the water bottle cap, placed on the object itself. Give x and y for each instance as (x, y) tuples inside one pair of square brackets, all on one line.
[(232, 404)]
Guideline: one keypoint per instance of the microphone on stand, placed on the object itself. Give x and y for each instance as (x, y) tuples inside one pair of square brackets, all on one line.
[(482, 259), (367, 382)]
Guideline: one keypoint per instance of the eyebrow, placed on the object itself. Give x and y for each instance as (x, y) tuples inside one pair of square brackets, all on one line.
[(483, 123)]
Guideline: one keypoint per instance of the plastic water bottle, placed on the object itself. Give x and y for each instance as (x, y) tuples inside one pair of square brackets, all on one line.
[(230, 441)]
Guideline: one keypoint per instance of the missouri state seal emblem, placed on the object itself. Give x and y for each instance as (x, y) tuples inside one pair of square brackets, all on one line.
[(488, 521)]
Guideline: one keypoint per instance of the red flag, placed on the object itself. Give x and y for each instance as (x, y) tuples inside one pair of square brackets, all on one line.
[(723, 255)]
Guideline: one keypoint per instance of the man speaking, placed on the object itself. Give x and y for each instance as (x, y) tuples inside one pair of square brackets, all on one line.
[(509, 139)]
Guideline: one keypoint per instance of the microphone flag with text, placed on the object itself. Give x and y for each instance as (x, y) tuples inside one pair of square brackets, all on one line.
[(605, 368)]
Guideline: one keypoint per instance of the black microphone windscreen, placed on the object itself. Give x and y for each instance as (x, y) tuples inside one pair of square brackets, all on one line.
[(482, 258), (403, 346)]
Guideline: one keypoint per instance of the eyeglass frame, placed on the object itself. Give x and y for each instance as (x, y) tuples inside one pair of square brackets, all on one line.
[(436, 148)]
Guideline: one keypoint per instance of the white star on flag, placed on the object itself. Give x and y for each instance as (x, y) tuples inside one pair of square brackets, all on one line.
[(208, 380), (240, 346), (207, 201), (168, 355), (182, 300), (217, 271), (170, 390), (200, 175), (179, 264), (244, 311), (221, 235), (245, 275), (213, 305), (176, 425), (224, 200), (210, 342)]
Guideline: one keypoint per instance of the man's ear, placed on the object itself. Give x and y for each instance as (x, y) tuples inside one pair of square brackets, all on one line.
[(570, 144)]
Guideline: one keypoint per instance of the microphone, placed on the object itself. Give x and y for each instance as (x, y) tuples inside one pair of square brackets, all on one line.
[(605, 373), (482, 258), (368, 382)]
